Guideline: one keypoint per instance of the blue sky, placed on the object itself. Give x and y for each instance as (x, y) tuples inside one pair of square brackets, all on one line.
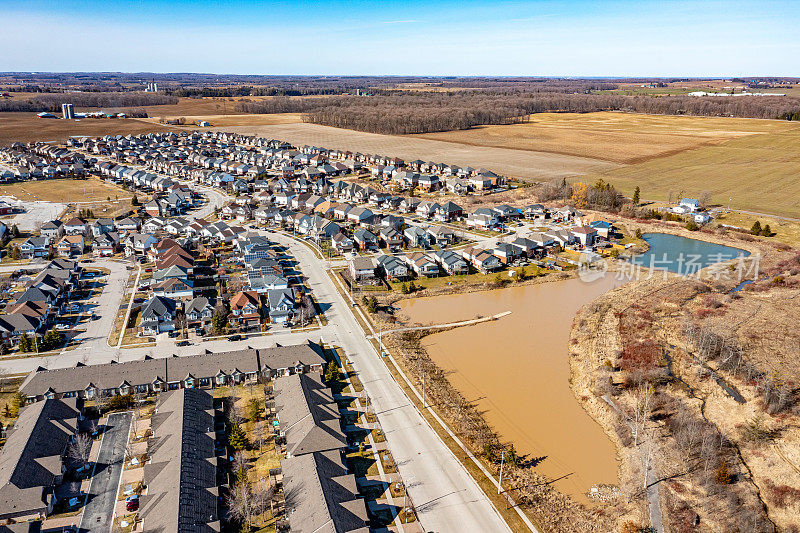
[(465, 37)]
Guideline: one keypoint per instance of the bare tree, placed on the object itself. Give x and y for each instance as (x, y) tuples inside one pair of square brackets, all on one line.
[(80, 448), (239, 502)]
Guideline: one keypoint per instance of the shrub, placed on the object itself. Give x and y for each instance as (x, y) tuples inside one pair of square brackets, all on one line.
[(123, 401), (692, 226)]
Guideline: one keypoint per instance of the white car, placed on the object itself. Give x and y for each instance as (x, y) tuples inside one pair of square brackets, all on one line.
[(62, 326)]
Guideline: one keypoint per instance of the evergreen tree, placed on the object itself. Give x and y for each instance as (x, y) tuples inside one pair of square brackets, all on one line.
[(636, 192), (372, 304), (254, 409), (767, 231), (756, 229), (25, 343), (15, 231), (511, 456), (135, 201), (237, 439), (219, 321), (52, 339), (16, 253), (332, 372)]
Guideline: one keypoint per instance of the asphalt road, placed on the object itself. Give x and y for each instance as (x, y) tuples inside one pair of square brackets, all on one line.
[(446, 496), (99, 511)]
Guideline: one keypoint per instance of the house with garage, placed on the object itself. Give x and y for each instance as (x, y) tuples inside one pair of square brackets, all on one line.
[(506, 252), (342, 243), (70, 245), (451, 262), (75, 226), (35, 247), (392, 268), (362, 269), (448, 212), (441, 235), (52, 229), (422, 264), (365, 240), (482, 260), (416, 237), (245, 309), (390, 237), (585, 235), (158, 316), (535, 212), (199, 312), (281, 305)]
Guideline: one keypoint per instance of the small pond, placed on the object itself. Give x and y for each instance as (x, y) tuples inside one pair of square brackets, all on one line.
[(683, 255)]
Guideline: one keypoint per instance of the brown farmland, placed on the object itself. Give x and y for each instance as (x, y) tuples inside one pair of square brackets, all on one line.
[(612, 136), (516, 163)]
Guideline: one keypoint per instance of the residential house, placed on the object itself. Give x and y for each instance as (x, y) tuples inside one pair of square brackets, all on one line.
[(158, 316), (70, 245), (365, 240), (416, 237), (245, 309), (342, 243), (451, 262), (281, 305), (585, 235), (199, 312), (422, 264), (392, 267), (362, 269)]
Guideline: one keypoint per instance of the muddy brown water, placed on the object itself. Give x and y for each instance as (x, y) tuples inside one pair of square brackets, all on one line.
[(517, 370)]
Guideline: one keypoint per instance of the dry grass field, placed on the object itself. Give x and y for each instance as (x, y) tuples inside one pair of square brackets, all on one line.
[(64, 191), (27, 127), (225, 121), (517, 163), (612, 136)]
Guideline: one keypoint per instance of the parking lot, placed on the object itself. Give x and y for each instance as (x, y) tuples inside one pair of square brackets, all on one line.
[(98, 515), (34, 213)]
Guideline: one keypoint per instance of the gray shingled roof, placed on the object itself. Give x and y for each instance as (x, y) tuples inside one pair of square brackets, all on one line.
[(181, 475), (309, 418), (321, 495), (31, 458), (113, 375)]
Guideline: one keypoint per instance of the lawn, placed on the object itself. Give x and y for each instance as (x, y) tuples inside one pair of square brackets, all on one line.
[(785, 231)]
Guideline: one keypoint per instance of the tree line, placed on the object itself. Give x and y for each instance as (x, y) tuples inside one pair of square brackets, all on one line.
[(424, 112), (52, 101)]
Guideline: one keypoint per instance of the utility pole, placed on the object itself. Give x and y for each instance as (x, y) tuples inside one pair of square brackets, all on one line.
[(502, 462)]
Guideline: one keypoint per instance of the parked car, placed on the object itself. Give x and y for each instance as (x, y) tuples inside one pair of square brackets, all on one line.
[(234, 338), (132, 505), (183, 343), (62, 327)]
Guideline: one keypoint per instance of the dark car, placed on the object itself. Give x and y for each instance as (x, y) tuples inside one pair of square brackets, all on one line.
[(183, 343), (234, 338)]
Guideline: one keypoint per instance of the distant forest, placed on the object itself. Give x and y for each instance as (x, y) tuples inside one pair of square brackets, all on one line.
[(52, 101), (425, 112)]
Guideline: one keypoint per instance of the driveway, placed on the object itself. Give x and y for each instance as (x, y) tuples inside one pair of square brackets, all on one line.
[(99, 511)]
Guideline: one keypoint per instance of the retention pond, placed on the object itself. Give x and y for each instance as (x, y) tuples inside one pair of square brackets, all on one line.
[(517, 370)]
